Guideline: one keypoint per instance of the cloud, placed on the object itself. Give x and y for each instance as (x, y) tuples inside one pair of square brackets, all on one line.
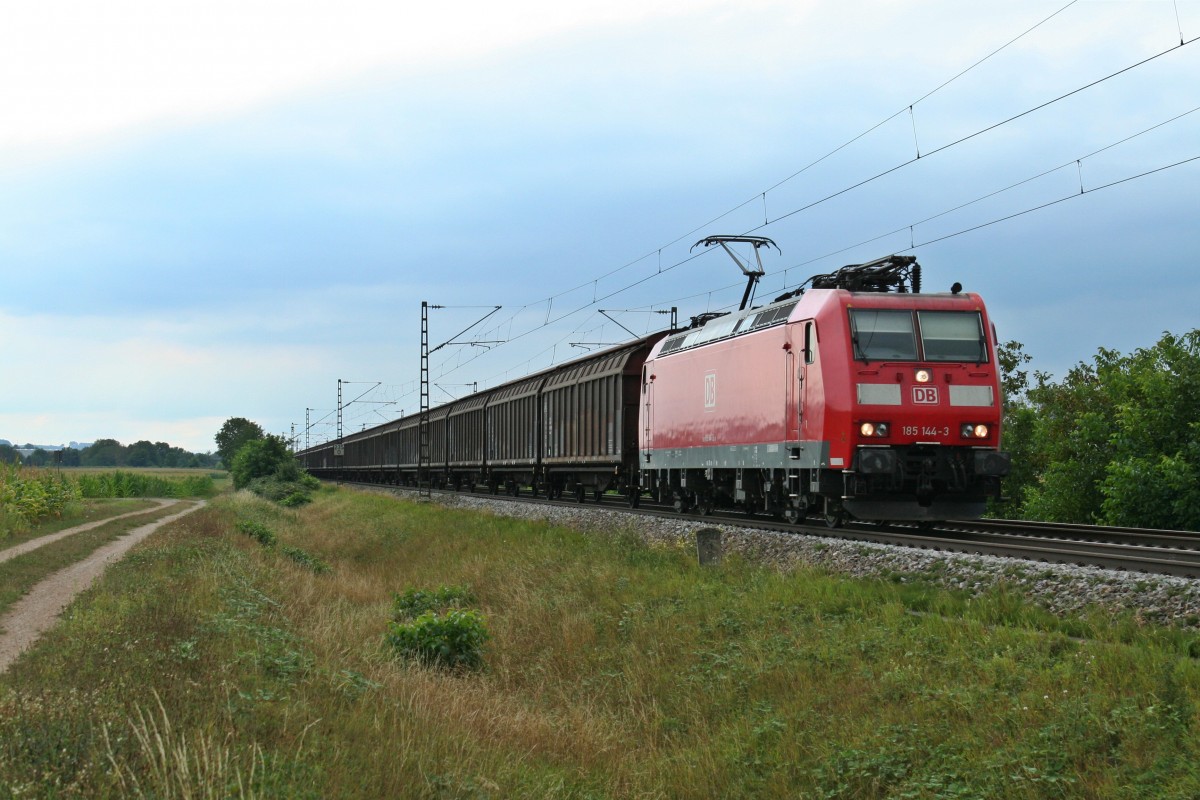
[(76, 70), (256, 198)]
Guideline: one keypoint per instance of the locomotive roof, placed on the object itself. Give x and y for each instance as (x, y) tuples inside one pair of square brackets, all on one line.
[(733, 324), (739, 323)]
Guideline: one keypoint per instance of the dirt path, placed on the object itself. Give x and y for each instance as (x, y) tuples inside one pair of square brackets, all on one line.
[(34, 544), (37, 611)]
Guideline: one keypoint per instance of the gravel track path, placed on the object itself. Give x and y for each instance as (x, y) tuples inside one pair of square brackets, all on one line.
[(34, 544), (36, 612)]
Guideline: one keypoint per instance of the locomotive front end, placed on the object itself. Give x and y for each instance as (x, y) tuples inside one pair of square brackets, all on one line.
[(925, 412)]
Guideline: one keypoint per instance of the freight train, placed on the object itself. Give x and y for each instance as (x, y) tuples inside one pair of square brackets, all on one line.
[(855, 397)]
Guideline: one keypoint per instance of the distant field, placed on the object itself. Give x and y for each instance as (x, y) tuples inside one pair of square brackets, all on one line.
[(165, 472), (222, 659)]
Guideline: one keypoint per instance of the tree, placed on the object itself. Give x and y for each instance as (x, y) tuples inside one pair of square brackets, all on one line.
[(141, 454), (235, 434), (1153, 476), (263, 458), (103, 453), (9, 454), (1117, 441), (1019, 422), (38, 458)]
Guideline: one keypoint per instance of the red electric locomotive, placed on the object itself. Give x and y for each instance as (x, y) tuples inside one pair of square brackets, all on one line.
[(859, 396)]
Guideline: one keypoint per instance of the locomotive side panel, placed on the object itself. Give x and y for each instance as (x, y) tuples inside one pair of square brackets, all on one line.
[(722, 405)]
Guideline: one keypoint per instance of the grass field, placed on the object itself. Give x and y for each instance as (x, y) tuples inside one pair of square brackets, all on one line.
[(208, 664)]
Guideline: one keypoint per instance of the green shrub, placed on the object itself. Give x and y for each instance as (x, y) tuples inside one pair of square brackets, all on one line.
[(263, 458), (258, 532), (305, 559), (415, 602), (265, 467), (453, 640), (296, 499)]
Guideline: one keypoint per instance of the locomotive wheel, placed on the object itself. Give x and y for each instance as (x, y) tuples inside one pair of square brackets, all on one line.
[(635, 497), (791, 515), (835, 518)]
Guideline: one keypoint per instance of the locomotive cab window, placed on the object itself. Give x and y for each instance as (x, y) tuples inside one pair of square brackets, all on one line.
[(952, 336), (883, 335)]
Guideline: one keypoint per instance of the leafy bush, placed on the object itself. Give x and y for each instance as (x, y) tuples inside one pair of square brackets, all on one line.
[(258, 532), (267, 468), (267, 457), (296, 499), (415, 602), (453, 640), (304, 559)]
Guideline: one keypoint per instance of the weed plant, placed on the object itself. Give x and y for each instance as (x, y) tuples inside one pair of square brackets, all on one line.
[(206, 665), (453, 640), (414, 602), (257, 531), (305, 559)]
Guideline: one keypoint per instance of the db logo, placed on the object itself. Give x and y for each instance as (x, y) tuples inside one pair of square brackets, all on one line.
[(925, 395), (710, 390)]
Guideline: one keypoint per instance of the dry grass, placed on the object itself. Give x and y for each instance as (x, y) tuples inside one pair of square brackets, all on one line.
[(217, 667)]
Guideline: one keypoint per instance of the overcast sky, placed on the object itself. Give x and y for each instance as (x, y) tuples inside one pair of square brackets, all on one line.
[(214, 209)]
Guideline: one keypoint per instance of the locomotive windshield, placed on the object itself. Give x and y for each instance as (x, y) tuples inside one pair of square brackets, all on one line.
[(883, 335), (952, 336), (891, 335)]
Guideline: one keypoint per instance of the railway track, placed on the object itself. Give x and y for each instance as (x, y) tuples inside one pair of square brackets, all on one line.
[(1128, 549)]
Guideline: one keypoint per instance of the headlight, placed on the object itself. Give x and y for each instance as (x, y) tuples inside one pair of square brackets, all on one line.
[(873, 430), (923, 376), (975, 430)]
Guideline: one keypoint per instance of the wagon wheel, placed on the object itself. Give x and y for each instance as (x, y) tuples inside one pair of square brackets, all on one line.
[(635, 496), (707, 502), (835, 518), (580, 493), (681, 503)]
